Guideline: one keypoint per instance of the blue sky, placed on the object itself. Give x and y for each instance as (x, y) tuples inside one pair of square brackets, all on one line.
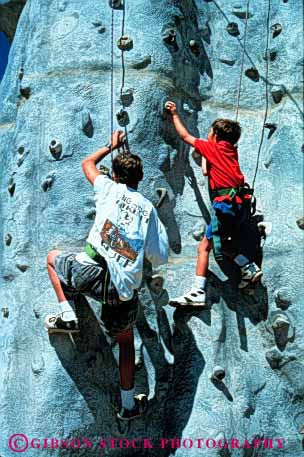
[(4, 50)]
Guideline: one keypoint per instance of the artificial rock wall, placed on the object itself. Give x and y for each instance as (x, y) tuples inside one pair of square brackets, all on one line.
[(55, 110)]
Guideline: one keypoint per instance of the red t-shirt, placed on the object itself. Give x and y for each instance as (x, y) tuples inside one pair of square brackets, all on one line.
[(222, 163)]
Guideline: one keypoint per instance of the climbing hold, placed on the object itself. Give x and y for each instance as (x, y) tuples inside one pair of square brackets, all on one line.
[(22, 267), (283, 298), (227, 61), (116, 4), (272, 128), (5, 312), (198, 235), (21, 150), (242, 14), (253, 74), (87, 125), (25, 92), (280, 322), (104, 170), (91, 214), (187, 109), (169, 37), (276, 30), (38, 365), (11, 186), (141, 62), (20, 74), (122, 118), (23, 153), (8, 239), (156, 284), (271, 55), (194, 47), (161, 192), (47, 183), (300, 223), (55, 148), (102, 29), (124, 43), (265, 228), (217, 374), (274, 358), (278, 94), (126, 97), (233, 29)]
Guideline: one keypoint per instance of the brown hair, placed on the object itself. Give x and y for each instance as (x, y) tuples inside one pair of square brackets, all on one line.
[(227, 130), (128, 169)]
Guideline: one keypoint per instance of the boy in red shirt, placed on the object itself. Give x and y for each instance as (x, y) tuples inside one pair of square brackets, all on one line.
[(220, 162)]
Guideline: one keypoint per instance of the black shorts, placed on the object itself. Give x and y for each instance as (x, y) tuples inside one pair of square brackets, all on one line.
[(95, 282)]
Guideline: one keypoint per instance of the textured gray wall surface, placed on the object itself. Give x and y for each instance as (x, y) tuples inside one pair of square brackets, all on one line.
[(57, 88)]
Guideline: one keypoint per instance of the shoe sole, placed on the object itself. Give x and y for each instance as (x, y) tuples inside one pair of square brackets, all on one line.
[(258, 276), (191, 304), (57, 330)]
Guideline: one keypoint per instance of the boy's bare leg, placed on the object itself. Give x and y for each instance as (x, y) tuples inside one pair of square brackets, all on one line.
[(67, 310), (203, 257), (127, 368)]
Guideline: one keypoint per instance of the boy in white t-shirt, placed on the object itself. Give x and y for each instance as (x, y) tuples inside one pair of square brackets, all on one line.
[(126, 229)]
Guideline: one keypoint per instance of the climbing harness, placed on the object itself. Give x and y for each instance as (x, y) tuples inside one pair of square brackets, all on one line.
[(232, 205)]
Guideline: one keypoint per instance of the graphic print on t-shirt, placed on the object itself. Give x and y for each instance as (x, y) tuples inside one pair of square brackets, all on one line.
[(112, 236)]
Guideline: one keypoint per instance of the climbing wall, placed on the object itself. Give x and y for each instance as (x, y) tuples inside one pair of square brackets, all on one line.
[(234, 370)]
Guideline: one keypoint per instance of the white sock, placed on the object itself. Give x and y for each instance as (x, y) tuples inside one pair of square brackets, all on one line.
[(200, 282), (127, 398), (241, 260), (68, 311)]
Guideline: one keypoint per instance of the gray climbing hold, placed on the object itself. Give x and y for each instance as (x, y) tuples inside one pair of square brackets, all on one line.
[(278, 94), (233, 29), (194, 47), (22, 155), (272, 128), (300, 223), (122, 118), (140, 62), (87, 125), (11, 186), (5, 312), (47, 183), (243, 14), (21, 74), (170, 38), (283, 298), (253, 74), (126, 97), (276, 30), (218, 373), (280, 322), (274, 358), (55, 148), (162, 193), (125, 43), (25, 92), (271, 55), (22, 266), (229, 62), (265, 228), (116, 4), (156, 284), (91, 214), (187, 108), (8, 239)]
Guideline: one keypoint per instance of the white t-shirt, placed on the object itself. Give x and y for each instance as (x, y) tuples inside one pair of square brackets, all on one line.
[(126, 229)]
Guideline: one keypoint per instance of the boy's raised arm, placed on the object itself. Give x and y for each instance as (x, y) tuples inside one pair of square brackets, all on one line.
[(180, 128)]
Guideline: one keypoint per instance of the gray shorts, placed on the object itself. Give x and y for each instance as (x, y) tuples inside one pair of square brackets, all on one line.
[(95, 282)]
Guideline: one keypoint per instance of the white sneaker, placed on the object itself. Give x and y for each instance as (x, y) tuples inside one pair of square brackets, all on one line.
[(195, 297), (55, 323), (250, 274)]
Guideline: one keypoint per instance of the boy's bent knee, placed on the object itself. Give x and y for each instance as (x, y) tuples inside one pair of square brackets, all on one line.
[(51, 256)]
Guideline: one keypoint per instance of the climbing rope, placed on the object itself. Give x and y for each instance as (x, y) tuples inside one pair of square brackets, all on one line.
[(243, 60), (266, 92)]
